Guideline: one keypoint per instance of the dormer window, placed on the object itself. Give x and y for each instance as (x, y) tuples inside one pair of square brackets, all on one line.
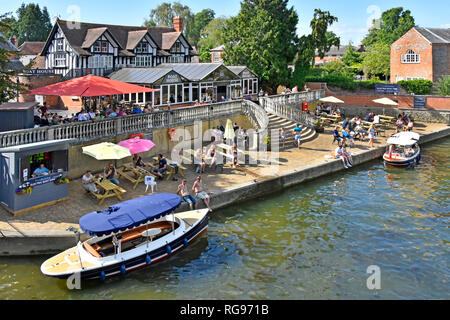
[(101, 46), (142, 47), (177, 47), (410, 57)]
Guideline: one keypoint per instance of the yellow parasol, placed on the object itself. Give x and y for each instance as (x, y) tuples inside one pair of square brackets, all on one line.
[(229, 131), (107, 151)]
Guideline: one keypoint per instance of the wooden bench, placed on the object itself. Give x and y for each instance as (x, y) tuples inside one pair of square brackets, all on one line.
[(170, 168), (111, 190), (135, 181)]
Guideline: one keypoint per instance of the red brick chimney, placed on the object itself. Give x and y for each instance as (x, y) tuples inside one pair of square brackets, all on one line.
[(178, 24)]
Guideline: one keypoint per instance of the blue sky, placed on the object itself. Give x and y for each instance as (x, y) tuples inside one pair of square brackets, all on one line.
[(353, 15)]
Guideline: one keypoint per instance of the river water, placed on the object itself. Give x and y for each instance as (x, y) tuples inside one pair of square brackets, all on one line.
[(313, 241)]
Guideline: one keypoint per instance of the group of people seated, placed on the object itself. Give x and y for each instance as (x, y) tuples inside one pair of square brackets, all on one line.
[(329, 110), (198, 189), (404, 122), (341, 153)]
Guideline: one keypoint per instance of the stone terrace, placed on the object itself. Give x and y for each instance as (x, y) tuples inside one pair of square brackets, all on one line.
[(67, 213)]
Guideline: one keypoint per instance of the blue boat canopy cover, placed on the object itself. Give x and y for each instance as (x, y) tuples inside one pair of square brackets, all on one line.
[(129, 214)]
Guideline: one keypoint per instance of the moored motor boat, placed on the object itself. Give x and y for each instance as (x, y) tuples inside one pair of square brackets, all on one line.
[(403, 150), (128, 236)]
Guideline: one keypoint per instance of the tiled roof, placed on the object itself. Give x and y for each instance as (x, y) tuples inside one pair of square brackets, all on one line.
[(91, 36), (7, 45), (134, 37), (38, 63), (31, 47), (168, 39), (435, 35)]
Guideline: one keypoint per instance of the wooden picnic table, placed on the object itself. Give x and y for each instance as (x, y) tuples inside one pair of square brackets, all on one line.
[(139, 174), (111, 190), (387, 117)]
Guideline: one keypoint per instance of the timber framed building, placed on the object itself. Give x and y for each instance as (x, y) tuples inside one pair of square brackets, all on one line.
[(76, 49)]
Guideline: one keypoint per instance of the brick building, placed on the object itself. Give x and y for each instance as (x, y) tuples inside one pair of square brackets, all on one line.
[(421, 53), (335, 53), (217, 54)]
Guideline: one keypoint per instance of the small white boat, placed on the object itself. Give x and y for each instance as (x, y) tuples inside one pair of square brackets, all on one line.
[(403, 150), (128, 236)]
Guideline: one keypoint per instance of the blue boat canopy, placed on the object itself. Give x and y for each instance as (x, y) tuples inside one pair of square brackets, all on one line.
[(129, 214)]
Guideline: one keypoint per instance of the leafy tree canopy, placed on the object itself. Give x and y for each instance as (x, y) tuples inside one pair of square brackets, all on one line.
[(201, 20), (162, 16), (263, 37), (8, 85), (393, 24), (320, 39), (32, 23), (377, 60)]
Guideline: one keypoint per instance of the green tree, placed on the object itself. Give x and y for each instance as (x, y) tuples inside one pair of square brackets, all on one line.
[(9, 20), (32, 24), (352, 57), (377, 60), (201, 20), (320, 39), (393, 24), (443, 86), (162, 16), (8, 85), (263, 36), (211, 37), (334, 67)]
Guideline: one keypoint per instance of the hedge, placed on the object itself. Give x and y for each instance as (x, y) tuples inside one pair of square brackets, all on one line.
[(417, 86), (344, 82)]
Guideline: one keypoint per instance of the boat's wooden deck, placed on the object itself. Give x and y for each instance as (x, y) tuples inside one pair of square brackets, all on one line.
[(65, 262)]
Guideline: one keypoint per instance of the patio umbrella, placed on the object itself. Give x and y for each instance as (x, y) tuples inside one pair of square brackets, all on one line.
[(107, 151), (331, 99), (89, 86), (229, 131), (137, 145), (386, 101)]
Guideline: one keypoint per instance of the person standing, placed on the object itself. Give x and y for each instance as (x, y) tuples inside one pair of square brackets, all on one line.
[(371, 135), (298, 135), (200, 192)]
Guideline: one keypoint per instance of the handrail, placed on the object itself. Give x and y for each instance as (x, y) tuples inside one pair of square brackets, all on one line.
[(131, 124), (281, 106)]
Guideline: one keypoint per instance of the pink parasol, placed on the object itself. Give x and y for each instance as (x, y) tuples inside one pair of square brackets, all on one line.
[(137, 145)]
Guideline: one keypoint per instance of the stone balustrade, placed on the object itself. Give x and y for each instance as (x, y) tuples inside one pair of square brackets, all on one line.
[(99, 129), (282, 106), (141, 123)]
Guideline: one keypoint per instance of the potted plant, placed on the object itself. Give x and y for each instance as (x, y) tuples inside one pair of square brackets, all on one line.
[(319, 126)]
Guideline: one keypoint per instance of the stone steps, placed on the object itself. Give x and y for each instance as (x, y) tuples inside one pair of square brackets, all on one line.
[(275, 122)]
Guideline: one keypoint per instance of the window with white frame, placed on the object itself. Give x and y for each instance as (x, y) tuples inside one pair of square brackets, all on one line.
[(143, 61), (410, 57), (60, 60), (59, 45), (100, 62), (142, 47), (216, 56)]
